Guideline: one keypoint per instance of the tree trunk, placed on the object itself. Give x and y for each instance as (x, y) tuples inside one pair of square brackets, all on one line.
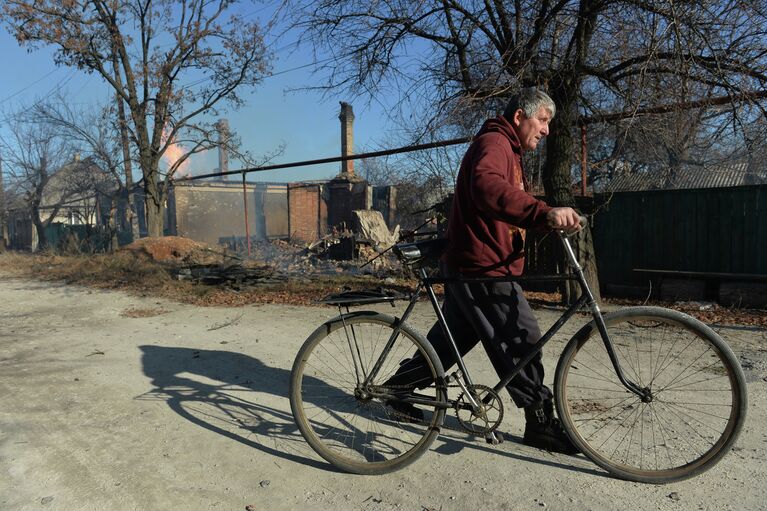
[(154, 223), (3, 213), (42, 240), (128, 167), (153, 198), (557, 181), (114, 242), (153, 208)]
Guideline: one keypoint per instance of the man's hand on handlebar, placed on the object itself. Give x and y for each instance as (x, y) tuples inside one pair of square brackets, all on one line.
[(564, 219)]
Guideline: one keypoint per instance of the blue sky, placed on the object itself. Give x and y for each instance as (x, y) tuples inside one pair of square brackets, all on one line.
[(305, 122)]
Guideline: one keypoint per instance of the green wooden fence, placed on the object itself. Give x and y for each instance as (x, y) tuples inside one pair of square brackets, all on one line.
[(704, 230)]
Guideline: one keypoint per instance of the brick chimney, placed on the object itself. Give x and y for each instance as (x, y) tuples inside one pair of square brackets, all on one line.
[(347, 138), (223, 141)]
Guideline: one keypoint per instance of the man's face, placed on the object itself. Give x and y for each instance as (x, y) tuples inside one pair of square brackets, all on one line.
[(530, 130)]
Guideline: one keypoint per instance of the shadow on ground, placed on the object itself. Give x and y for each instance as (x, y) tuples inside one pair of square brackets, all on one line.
[(220, 391)]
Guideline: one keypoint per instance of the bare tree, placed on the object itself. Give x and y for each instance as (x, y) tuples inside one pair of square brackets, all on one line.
[(95, 133), (3, 210), (144, 49), (422, 178), (460, 60), (32, 153), (688, 135)]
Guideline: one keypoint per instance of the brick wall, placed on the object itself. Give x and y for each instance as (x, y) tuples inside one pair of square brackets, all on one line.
[(305, 211)]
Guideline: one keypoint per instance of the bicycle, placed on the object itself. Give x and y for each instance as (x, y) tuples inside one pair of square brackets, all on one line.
[(662, 398)]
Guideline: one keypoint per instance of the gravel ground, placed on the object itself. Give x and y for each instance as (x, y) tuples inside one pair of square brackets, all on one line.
[(111, 401)]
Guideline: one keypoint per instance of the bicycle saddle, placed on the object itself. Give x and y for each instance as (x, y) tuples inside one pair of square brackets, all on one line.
[(420, 252)]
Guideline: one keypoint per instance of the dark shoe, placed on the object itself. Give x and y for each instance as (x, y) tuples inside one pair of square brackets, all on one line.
[(544, 431), (405, 412), (402, 384)]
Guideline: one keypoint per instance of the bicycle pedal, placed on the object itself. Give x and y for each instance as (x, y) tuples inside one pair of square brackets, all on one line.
[(494, 438)]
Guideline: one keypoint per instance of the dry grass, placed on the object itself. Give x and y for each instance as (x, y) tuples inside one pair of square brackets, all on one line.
[(712, 313), (141, 275), (117, 270)]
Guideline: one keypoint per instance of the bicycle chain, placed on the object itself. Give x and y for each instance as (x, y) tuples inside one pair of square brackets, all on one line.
[(413, 420)]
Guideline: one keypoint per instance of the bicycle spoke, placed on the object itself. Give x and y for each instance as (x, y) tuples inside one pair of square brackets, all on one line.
[(683, 425), (340, 417)]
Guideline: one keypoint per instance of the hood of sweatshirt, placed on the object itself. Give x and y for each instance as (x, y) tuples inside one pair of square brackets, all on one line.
[(501, 125)]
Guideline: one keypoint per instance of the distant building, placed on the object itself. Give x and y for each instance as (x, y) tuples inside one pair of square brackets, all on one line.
[(215, 211), (718, 176), (78, 194)]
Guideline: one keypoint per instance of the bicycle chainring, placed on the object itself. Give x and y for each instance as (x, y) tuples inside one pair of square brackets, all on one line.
[(487, 418)]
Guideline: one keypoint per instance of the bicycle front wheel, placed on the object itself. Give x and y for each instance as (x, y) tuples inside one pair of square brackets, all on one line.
[(337, 415), (697, 400)]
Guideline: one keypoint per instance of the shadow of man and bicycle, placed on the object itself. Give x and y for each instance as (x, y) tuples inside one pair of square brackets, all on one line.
[(243, 399)]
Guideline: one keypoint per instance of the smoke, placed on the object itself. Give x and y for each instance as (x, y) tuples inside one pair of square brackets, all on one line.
[(173, 153)]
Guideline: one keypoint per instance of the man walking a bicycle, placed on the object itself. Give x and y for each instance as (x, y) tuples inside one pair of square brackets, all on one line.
[(647, 393), (490, 213)]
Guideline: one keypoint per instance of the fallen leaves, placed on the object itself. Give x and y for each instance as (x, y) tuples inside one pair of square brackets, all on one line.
[(303, 280), (710, 313), (142, 313)]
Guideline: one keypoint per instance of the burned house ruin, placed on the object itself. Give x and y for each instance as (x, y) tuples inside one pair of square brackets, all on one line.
[(220, 211)]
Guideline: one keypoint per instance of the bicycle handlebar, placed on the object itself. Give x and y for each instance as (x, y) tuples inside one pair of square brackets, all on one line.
[(567, 234)]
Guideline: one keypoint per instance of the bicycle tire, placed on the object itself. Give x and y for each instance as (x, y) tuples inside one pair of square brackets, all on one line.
[(356, 435), (699, 395)]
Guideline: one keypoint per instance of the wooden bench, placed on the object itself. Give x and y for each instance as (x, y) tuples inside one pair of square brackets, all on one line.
[(725, 288)]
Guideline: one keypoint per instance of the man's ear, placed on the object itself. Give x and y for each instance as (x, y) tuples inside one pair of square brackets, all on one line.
[(518, 117)]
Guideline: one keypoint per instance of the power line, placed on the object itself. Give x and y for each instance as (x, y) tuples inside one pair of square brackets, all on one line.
[(266, 6), (270, 75), (661, 109), (46, 75), (335, 159)]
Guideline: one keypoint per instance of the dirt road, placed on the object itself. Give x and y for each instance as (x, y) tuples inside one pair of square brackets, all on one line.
[(109, 401)]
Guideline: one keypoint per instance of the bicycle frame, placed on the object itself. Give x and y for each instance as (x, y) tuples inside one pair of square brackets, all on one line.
[(586, 298)]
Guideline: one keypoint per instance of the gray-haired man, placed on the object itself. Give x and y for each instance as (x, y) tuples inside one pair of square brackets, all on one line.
[(491, 211)]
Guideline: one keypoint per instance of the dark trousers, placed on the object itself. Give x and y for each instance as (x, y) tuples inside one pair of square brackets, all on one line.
[(497, 314)]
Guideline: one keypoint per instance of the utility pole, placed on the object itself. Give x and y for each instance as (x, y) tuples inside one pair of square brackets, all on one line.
[(3, 211)]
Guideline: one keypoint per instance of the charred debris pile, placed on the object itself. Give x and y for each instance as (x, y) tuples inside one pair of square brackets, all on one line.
[(362, 251)]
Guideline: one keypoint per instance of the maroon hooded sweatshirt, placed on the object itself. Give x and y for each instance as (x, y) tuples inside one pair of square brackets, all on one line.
[(491, 207)]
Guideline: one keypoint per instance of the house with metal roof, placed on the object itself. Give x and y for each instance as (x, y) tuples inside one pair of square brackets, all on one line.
[(74, 198), (686, 178)]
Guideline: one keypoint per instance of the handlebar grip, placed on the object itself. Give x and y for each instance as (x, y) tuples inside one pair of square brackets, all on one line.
[(584, 221)]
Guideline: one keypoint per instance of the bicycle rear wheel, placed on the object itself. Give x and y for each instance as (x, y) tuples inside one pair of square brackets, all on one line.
[(338, 418), (698, 392)]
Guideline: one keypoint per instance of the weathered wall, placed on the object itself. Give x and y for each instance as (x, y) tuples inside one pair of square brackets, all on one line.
[(305, 206), (214, 212), (385, 201), (272, 209), (344, 197)]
